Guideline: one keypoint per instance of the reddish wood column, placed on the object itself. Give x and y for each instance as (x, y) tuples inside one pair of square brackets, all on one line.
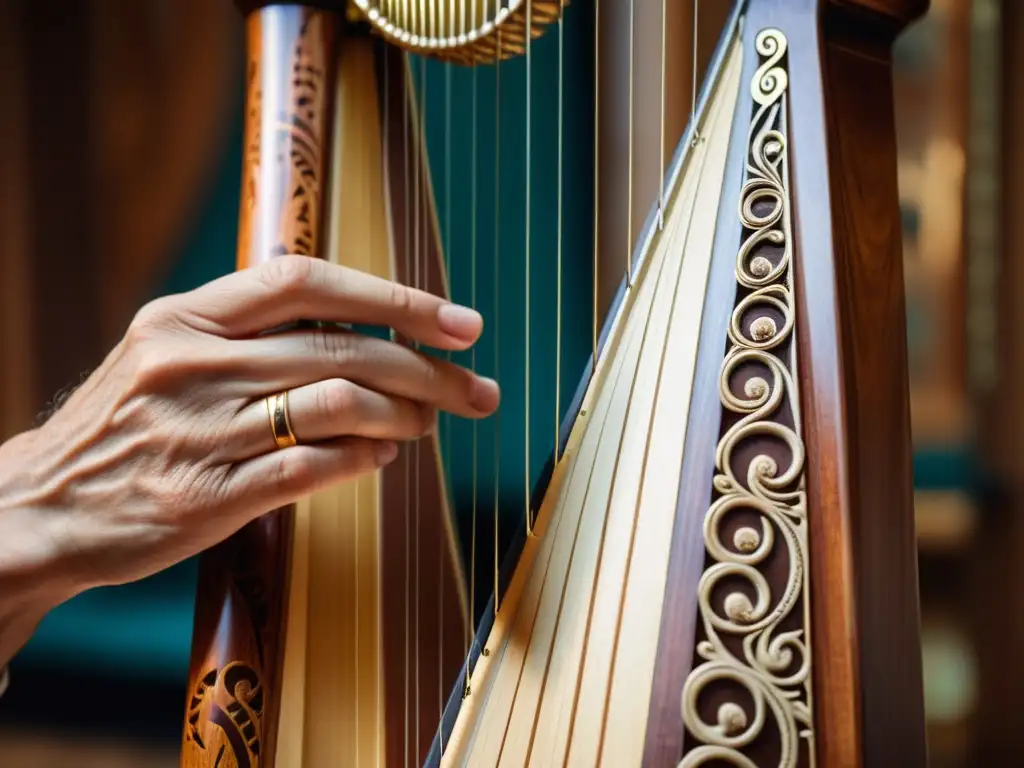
[(240, 607)]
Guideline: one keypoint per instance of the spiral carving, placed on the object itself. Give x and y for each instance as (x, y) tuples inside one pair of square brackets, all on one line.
[(755, 652)]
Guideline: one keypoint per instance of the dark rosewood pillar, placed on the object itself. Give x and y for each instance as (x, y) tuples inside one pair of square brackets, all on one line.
[(240, 607)]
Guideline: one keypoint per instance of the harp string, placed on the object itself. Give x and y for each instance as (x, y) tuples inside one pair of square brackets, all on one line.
[(472, 270), (597, 174), (526, 360), (421, 283), (629, 141), (448, 421), (385, 161), (693, 85), (497, 314), (408, 474), (661, 142), (558, 230)]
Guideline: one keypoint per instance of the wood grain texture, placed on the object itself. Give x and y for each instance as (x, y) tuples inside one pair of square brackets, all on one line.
[(852, 376), (232, 693), (866, 626)]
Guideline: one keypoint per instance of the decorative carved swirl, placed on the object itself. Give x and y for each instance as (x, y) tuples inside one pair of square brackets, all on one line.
[(224, 719), (756, 657)]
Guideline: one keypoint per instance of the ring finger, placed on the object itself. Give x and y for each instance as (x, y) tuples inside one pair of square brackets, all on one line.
[(327, 410)]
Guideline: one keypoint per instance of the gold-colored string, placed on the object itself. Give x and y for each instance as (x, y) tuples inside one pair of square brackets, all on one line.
[(421, 283), (386, 159), (407, 452), (597, 170), (629, 174), (497, 313), (693, 87), (558, 229), (448, 419), (661, 142), (472, 275), (526, 362), (356, 666)]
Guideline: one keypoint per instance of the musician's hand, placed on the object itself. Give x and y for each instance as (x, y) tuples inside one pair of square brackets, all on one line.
[(167, 448)]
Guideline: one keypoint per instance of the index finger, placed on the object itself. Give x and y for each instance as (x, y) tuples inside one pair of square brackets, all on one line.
[(291, 288)]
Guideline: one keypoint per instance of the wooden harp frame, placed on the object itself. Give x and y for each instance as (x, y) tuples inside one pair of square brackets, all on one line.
[(848, 356)]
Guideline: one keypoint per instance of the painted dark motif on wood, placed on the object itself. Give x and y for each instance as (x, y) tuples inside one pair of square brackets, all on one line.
[(240, 606), (232, 700)]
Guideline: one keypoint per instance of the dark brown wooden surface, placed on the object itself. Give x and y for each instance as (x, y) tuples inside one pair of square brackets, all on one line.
[(857, 412), (865, 632), (240, 605)]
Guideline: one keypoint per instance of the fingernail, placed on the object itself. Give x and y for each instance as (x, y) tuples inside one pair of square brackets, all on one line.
[(484, 394), (386, 453), (463, 322)]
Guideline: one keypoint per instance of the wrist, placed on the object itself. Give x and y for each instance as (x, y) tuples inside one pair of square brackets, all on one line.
[(34, 577)]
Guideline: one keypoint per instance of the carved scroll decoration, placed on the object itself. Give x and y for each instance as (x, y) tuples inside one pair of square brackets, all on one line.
[(231, 700), (754, 670)]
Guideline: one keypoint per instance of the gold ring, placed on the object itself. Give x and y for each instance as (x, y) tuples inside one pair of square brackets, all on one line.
[(280, 424)]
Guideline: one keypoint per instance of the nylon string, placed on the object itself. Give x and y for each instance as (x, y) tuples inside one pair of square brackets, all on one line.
[(472, 272), (421, 220), (597, 170), (448, 419), (497, 311), (629, 174), (526, 362), (408, 501), (558, 228), (661, 143)]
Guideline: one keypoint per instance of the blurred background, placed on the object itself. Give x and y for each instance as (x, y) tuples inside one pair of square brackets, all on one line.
[(120, 154)]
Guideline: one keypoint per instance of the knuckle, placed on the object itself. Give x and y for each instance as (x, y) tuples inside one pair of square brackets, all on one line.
[(433, 377), (337, 397), (151, 319), (293, 472), (428, 415), (153, 366), (289, 274), (400, 298), (338, 347)]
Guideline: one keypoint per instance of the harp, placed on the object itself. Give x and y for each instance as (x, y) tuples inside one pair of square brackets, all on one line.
[(716, 565)]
